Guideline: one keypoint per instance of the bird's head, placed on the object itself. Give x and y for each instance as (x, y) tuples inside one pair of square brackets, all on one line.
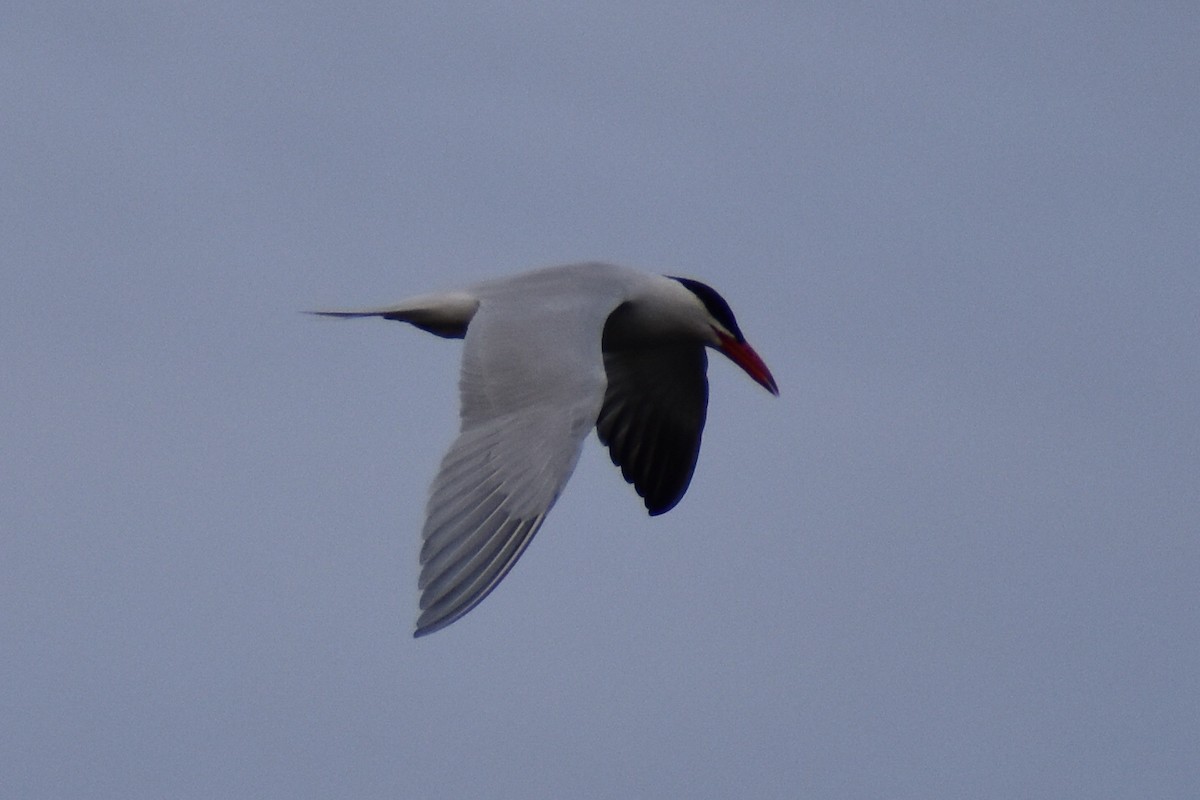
[(721, 331)]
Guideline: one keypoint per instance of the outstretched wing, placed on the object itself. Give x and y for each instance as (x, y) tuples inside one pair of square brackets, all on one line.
[(653, 417), (487, 502), (531, 387)]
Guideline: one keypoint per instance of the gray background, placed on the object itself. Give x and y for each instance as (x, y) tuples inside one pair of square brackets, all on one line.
[(958, 557)]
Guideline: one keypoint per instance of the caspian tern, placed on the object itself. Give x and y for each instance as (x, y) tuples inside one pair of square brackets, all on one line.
[(549, 355)]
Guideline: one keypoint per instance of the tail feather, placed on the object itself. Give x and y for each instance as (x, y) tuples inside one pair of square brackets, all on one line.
[(445, 315)]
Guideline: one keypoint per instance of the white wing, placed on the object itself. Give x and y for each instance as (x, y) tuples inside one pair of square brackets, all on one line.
[(532, 385)]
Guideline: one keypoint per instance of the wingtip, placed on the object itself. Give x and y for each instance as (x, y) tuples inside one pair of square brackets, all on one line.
[(433, 621), (424, 626), (657, 506)]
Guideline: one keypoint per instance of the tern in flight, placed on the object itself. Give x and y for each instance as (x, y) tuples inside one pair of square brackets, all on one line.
[(549, 355)]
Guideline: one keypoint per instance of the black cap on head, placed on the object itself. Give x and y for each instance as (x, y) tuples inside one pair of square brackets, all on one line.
[(715, 304)]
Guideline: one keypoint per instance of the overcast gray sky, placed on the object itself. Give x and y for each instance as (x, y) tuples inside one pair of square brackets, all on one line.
[(958, 557)]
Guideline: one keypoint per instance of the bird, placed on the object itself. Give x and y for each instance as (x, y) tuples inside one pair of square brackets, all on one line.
[(548, 355)]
